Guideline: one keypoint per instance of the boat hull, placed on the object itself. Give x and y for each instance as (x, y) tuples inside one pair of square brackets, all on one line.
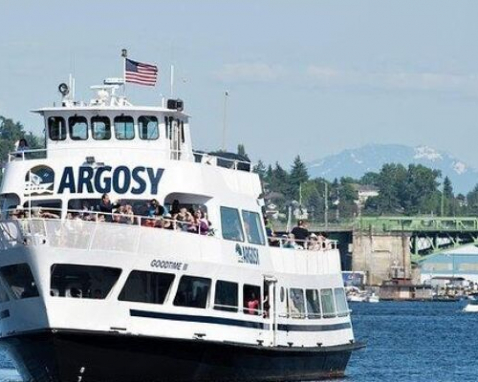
[(80, 356)]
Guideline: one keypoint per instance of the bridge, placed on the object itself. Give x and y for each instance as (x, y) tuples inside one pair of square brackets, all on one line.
[(428, 235)]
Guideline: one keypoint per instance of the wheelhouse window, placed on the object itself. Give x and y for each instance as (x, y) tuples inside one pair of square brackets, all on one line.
[(296, 303), (19, 279), (193, 292), (56, 128), (252, 299), (341, 302), (253, 226), (78, 128), (147, 287), (148, 127), (82, 281), (328, 306), (124, 127), (313, 303), (101, 128), (231, 224), (226, 296)]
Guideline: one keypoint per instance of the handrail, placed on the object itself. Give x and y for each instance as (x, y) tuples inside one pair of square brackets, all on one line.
[(140, 220), (178, 155)]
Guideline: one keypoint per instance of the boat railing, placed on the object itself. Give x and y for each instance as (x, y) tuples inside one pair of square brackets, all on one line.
[(309, 244), (179, 155), (37, 225)]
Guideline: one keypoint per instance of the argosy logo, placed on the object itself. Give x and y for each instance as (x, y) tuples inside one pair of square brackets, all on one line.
[(120, 180)]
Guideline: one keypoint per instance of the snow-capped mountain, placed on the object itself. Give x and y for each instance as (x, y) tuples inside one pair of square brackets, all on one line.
[(356, 162)]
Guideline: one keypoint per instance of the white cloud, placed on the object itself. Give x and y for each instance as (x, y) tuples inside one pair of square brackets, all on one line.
[(424, 81), (249, 72)]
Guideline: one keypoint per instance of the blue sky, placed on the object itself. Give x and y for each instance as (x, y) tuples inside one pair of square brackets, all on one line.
[(304, 77)]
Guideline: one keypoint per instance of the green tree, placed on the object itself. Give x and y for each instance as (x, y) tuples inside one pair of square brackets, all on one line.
[(241, 150), (298, 176), (260, 169)]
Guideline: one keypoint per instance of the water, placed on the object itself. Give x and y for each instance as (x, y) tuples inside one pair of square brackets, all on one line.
[(407, 341)]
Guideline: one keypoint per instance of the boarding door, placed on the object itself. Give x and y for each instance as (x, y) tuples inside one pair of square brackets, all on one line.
[(270, 306), (175, 136)]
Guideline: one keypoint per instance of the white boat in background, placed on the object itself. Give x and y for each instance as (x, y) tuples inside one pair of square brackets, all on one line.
[(471, 307), (372, 298)]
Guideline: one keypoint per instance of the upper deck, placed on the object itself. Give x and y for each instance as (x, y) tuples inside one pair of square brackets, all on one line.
[(108, 145)]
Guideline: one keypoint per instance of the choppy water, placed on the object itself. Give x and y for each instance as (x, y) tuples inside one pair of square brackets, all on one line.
[(408, 341)]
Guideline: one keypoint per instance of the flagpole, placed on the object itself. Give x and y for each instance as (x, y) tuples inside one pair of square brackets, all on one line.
[(124, 54)]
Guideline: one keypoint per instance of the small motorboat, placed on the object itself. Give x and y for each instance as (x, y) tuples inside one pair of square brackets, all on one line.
[(471, 307)]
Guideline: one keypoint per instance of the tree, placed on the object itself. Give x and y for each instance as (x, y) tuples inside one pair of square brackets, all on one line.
[(241, 150), (260, 169), (448, 200), (298, 175)]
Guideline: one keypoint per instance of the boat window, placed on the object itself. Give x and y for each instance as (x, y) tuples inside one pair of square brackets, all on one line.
[(20, 281), (124, 127), (78, 128), (148, 287), (327, 299), (231, 224), (313, 303), (82, 281), (56, 128), (148, 127), (253, 226), (252, 299), (296, 303), (193, 292), (226, 297), (101, 128), (341, 302)]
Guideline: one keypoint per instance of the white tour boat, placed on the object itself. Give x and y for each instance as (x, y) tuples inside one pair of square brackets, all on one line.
[(143, 290)]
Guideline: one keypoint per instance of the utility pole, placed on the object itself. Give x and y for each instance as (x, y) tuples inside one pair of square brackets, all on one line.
[(326, 206)]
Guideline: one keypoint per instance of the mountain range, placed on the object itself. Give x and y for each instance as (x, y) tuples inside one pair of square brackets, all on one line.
[(356, 162)]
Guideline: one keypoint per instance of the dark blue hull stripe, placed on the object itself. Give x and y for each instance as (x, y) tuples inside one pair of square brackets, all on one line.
[(233, 322)]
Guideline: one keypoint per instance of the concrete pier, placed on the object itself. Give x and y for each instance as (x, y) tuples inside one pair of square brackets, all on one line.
[(381, 256)]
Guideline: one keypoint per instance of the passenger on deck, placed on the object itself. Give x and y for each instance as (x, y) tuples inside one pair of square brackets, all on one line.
[(290, 242), (301, 233), (183, 219), (174, 207), (107, 207), (252, 305), (313, 243), (22, 145), (201, 224)]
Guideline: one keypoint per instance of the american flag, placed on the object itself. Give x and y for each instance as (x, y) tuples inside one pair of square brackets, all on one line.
[(140, 73)]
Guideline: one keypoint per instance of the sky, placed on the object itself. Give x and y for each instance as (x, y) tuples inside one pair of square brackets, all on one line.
[(303, 77)]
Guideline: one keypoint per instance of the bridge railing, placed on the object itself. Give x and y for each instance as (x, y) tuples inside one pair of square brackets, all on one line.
[(417, 223)]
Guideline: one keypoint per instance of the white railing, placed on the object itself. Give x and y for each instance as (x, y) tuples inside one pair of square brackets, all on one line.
[(36, 225), (198, 157)]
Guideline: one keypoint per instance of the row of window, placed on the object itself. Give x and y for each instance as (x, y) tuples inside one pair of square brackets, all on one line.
[(79, 281), (100, 127), (232, 228)]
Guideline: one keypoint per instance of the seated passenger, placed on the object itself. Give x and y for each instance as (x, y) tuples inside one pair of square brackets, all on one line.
[(290, 242), (200, 223), (183, 219), (313, 243)]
